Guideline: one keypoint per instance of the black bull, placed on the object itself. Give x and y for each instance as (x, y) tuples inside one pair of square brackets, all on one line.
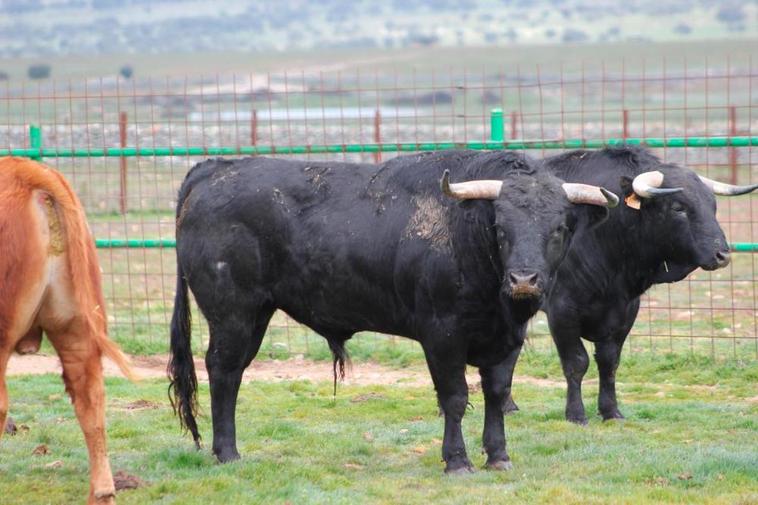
[(346, 247), (666, 229)]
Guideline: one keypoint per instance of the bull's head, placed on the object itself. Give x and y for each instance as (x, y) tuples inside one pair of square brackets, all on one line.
[(680, 208), (535, 218)]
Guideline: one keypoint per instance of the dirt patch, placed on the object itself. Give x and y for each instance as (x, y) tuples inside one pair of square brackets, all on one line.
[(429, 222), (366, 397), (123, 480), (41, 450), (141, 405), (360, 374)]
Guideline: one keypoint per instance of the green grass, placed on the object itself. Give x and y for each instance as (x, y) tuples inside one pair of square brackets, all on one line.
[(690, 437)]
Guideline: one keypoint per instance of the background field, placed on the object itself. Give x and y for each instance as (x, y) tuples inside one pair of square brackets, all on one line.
[(613, 90)]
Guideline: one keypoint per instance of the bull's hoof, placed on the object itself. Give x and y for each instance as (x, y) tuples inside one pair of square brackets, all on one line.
[(227, 455), (509, 407), (459, 468), (614, 414), (581, 420), (500, 465)]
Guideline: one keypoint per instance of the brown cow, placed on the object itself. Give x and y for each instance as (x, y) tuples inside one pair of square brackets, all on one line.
[(50, 281)]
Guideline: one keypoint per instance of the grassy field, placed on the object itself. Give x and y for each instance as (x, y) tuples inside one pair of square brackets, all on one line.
[(690, 437), (386, 60)]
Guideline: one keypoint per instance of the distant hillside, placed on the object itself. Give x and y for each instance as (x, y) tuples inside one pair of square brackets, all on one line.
[(35, 28)]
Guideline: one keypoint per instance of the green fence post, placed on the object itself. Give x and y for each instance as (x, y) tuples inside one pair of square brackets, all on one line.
[(35, 141), (496, 125)]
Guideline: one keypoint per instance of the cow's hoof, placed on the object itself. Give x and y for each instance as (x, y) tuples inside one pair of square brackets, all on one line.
[(10, 427), (105, 496), (459, 468), (500, 465)]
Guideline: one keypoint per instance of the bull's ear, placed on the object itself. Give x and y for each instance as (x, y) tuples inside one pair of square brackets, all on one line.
[(630, 197), (598, 216), (626, 185), (589, 217)]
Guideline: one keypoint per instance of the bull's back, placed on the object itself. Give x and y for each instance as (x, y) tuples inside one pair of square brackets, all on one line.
[(308, 236)]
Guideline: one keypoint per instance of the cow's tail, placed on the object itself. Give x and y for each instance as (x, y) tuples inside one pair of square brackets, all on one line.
[(340, 357), (84, 267)]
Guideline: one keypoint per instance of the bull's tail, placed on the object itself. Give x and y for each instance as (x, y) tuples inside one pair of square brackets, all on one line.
[(181, 367)]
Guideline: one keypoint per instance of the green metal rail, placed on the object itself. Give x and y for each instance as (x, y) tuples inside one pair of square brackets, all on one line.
[(170, 243), (497, 141), (118, 152)]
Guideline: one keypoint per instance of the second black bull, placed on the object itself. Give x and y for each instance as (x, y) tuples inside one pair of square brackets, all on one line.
[(459, 267), (666, 228)]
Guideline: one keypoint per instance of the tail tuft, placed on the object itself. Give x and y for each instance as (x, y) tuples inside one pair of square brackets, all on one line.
[(339, 358)]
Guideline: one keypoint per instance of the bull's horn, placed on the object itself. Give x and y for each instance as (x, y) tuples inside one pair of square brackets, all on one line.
[(480, 189), (722, 188), (648, 185), (587, 193)]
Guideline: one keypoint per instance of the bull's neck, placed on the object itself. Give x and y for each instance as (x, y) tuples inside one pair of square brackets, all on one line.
[(636, 261), (610, 256)]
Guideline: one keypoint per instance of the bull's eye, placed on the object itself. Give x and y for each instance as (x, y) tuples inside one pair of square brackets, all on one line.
[(678, 207)]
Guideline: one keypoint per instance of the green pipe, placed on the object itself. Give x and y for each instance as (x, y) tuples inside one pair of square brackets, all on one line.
[(744, 247), (152, 243), (35, 140), (496, 125), (171, 243), (114, 152)]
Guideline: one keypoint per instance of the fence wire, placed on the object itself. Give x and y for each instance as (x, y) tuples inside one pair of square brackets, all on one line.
[(133, 198)]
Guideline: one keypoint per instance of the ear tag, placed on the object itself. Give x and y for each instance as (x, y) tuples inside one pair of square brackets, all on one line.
[(633, 201)]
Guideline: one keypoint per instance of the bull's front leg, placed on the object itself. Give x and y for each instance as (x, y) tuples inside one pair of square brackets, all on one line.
[(496, 386), (449, 377), (508, 366)]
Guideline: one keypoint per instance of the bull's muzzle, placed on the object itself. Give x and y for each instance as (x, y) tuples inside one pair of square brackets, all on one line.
[(524, 284), (720, 260)]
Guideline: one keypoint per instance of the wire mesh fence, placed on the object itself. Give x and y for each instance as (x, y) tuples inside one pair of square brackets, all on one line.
[(371, 116)]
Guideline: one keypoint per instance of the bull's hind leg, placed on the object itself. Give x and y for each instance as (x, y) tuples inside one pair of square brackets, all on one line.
[(83, 376), (496, 386), (234, 342)]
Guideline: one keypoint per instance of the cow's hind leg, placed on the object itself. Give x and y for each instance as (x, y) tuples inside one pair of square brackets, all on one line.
[(5, 354), (496, 386), (234, 342), (83, 376)]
